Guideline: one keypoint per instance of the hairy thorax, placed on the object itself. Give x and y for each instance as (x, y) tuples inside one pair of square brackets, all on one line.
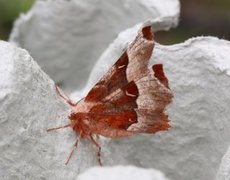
[(79, 118)]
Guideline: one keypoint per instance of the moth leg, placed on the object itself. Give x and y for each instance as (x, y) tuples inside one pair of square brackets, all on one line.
[(73, 149), (99, 149), (66, 98), (56, 128)]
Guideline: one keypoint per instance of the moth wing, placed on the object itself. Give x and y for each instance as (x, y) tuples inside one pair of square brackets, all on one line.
[(130, 98), (117, 111), (132, 65), (154, 97), (137, 107)]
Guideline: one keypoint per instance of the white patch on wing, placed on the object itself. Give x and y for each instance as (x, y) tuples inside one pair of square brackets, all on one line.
[(129, 94), (122, 66)]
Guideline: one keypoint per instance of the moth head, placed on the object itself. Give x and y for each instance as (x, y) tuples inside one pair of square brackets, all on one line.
[(73, 117)]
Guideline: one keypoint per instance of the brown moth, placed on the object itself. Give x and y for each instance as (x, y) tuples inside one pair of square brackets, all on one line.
[(129, 99)]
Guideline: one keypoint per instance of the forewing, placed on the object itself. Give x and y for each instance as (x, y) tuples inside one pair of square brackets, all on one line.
[(117, 110), (138, 107), (132, 65), (130, 98)]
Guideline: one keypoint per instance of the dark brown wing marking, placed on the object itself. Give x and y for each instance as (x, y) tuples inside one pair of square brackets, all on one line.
[(114, 78)]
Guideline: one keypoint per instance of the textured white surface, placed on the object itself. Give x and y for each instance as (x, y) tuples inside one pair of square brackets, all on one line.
[(67, 37), (224, 170), (61, 31), (28, 106), (121, 173), (199, 75)]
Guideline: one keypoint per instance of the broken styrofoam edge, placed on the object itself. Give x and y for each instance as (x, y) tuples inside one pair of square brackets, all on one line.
[(67, 37), (29, 105), (199, 74), (224, 169), (121, 173)]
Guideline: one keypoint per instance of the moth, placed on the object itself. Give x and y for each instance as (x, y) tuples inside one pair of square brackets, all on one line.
[(129, 99)]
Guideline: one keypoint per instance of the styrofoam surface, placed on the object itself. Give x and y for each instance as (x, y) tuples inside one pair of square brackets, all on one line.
[(67, 37)]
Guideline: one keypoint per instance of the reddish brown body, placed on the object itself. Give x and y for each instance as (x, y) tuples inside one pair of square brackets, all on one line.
[(129, 98)]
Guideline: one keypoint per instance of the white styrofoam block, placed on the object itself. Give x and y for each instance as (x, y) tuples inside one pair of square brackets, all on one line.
[(199, 75), (28, 106), (224, 169), (67, 37), (121, 173)]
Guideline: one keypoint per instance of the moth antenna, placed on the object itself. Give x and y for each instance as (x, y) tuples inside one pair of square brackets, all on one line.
[(56, 128), (79, 100), (99, 149), (66, 98), (73, 149)]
